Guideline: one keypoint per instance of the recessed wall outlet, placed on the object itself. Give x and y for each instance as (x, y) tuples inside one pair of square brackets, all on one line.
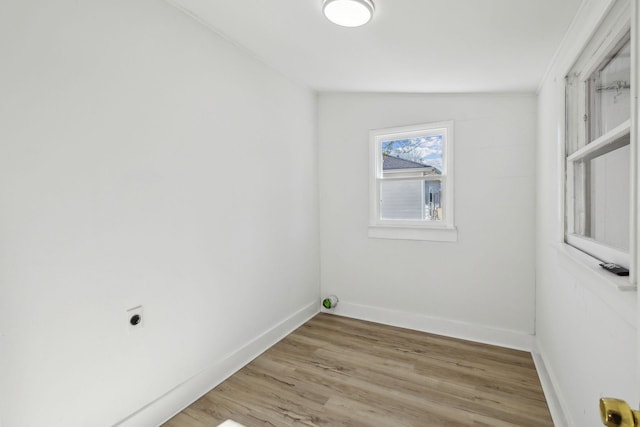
[(135, 318)]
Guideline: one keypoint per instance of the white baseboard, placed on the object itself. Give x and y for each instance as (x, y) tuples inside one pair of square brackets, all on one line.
[(450, 328), (182, 395), (553, 401)]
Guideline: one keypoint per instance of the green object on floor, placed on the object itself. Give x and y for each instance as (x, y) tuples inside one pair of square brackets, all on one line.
[(330, 302)]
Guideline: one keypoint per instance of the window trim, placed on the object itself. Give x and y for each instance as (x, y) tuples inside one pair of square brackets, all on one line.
[(621, 18), (443, 230)]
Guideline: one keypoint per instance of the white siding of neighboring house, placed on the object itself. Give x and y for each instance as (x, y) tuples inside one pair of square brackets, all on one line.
[(402, 200)]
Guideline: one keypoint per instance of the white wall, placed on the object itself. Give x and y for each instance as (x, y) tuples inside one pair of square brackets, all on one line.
[(143, 160), (585, 327), (480, 287)]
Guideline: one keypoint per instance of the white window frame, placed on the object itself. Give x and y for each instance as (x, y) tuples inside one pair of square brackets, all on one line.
[(443, 230), (607, 36)]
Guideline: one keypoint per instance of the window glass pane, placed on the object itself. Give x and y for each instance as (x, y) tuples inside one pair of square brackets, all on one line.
[(581, 224), (610, 198), (601, 197), (433, 198), (574, 120), (415, 200), (423, 153), (609, 93)]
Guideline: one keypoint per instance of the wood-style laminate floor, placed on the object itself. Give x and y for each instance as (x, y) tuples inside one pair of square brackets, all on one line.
[(336, 371)]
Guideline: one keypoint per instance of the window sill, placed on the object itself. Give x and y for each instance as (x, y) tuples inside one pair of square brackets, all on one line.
[(614, 291), (589, 263), (434, 234)]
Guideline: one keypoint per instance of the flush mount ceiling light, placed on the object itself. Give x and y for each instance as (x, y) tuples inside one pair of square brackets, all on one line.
[(348, 13)]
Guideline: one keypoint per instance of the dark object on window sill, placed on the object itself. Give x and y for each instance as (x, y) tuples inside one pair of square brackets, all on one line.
[(615, 269)]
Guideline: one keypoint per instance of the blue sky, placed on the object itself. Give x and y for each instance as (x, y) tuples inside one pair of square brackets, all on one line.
[(425, 149)]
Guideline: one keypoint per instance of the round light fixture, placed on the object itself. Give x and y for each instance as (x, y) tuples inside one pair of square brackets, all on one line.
[(348, 13)]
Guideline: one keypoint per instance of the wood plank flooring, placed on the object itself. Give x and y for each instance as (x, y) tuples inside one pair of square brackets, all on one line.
[(336, 371)]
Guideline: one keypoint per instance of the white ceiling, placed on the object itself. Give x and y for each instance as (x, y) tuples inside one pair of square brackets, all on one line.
[(409, 46)]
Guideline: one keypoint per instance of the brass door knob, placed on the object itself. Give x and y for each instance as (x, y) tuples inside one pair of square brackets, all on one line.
[(618, 413)]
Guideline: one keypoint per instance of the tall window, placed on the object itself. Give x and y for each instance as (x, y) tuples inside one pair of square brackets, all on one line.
[(411, 181), (598, 144)]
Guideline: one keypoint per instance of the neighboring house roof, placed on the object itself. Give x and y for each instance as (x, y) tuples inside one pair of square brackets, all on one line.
[(395, 163)]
